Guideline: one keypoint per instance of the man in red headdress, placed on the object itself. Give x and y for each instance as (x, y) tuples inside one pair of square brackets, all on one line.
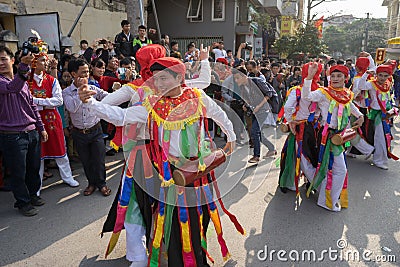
[(300, 144), (47, 96), (176, 116), (133, 211), (381, 109), (360, 145), (335, 103)]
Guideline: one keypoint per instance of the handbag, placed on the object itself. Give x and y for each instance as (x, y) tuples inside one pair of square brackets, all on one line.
[(189, 172)]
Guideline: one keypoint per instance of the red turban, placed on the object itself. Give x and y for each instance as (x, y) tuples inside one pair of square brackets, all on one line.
[(223, 61), (362, 64), (145, 55), (171, 63), (384, 68), (304, 73), (342, 69)]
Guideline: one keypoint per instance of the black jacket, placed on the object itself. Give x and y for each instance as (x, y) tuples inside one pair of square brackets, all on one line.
[(124, 46)]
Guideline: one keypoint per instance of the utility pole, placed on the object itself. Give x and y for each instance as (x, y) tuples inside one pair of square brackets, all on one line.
[(366, 33)]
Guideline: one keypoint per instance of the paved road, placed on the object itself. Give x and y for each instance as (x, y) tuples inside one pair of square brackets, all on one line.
[(66, 231)]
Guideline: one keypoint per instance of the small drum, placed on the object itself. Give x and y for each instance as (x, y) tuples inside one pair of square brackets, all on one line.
[(344, 136), (284, 127), (391, 113), (189, 172)]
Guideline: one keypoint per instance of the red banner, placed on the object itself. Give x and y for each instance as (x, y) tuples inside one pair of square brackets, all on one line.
[(318, 24)]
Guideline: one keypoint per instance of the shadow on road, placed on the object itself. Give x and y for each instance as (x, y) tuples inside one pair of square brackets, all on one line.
[(66, 211)]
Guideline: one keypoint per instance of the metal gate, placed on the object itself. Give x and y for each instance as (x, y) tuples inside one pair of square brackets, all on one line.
[(206, 41)]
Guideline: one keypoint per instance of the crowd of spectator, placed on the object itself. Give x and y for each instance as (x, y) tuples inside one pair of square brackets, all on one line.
[(109, 64)]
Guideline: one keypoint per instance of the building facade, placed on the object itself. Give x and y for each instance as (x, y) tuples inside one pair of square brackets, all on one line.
[(393, 18), (101, 18), (208, 21)]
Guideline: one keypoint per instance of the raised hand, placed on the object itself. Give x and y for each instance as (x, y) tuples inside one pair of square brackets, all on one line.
[(204, 52), (312, 70)]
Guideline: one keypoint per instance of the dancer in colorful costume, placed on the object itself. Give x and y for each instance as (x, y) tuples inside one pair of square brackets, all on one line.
[(335, 103), (360, 144), (300, 149), (131, 208), (381, 108), (46, 92), (125, 211), (177, 120)]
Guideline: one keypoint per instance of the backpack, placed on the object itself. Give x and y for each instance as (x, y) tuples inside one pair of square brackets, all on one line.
[(267, 90)]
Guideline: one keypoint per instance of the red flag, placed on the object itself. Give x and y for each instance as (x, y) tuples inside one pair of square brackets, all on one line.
[(318, 24)]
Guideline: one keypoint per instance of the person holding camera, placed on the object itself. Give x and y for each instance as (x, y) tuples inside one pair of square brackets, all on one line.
[(260, 99), (21, 130), (244, 46)]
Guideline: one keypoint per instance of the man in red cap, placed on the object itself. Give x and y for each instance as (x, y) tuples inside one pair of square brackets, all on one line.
[(138, 222), (335, 103), (301, 116), (360, 145), (176, 117), (381, 109)]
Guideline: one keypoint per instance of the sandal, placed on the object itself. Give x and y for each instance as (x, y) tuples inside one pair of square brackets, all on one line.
[(89, 190), (105, 191), (47, 174)]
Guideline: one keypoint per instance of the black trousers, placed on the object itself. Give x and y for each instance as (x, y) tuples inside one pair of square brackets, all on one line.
[(21, 155), (92, 152)]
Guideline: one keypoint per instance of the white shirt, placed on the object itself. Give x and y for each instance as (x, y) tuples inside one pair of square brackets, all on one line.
[(358, 83), (81, 117), (219, 53), (54, 101), (290, 107), (324, 103), (374, 104), (134, 114)]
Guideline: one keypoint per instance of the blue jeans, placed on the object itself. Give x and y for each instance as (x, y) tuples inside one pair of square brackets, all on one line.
[(21, 155), (258, 136)]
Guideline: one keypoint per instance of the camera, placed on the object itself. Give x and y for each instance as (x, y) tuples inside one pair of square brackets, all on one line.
[(121, 72), (28, 46), (248, 47)]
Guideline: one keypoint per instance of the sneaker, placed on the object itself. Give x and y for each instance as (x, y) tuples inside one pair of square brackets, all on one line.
[(270, 153), (383, 167), (239, 143), (28, 210), (254, 160), (37, 201), (72, 182)]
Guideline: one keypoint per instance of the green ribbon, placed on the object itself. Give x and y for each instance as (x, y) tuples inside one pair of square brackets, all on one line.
[(289, 173), (169, 210)]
